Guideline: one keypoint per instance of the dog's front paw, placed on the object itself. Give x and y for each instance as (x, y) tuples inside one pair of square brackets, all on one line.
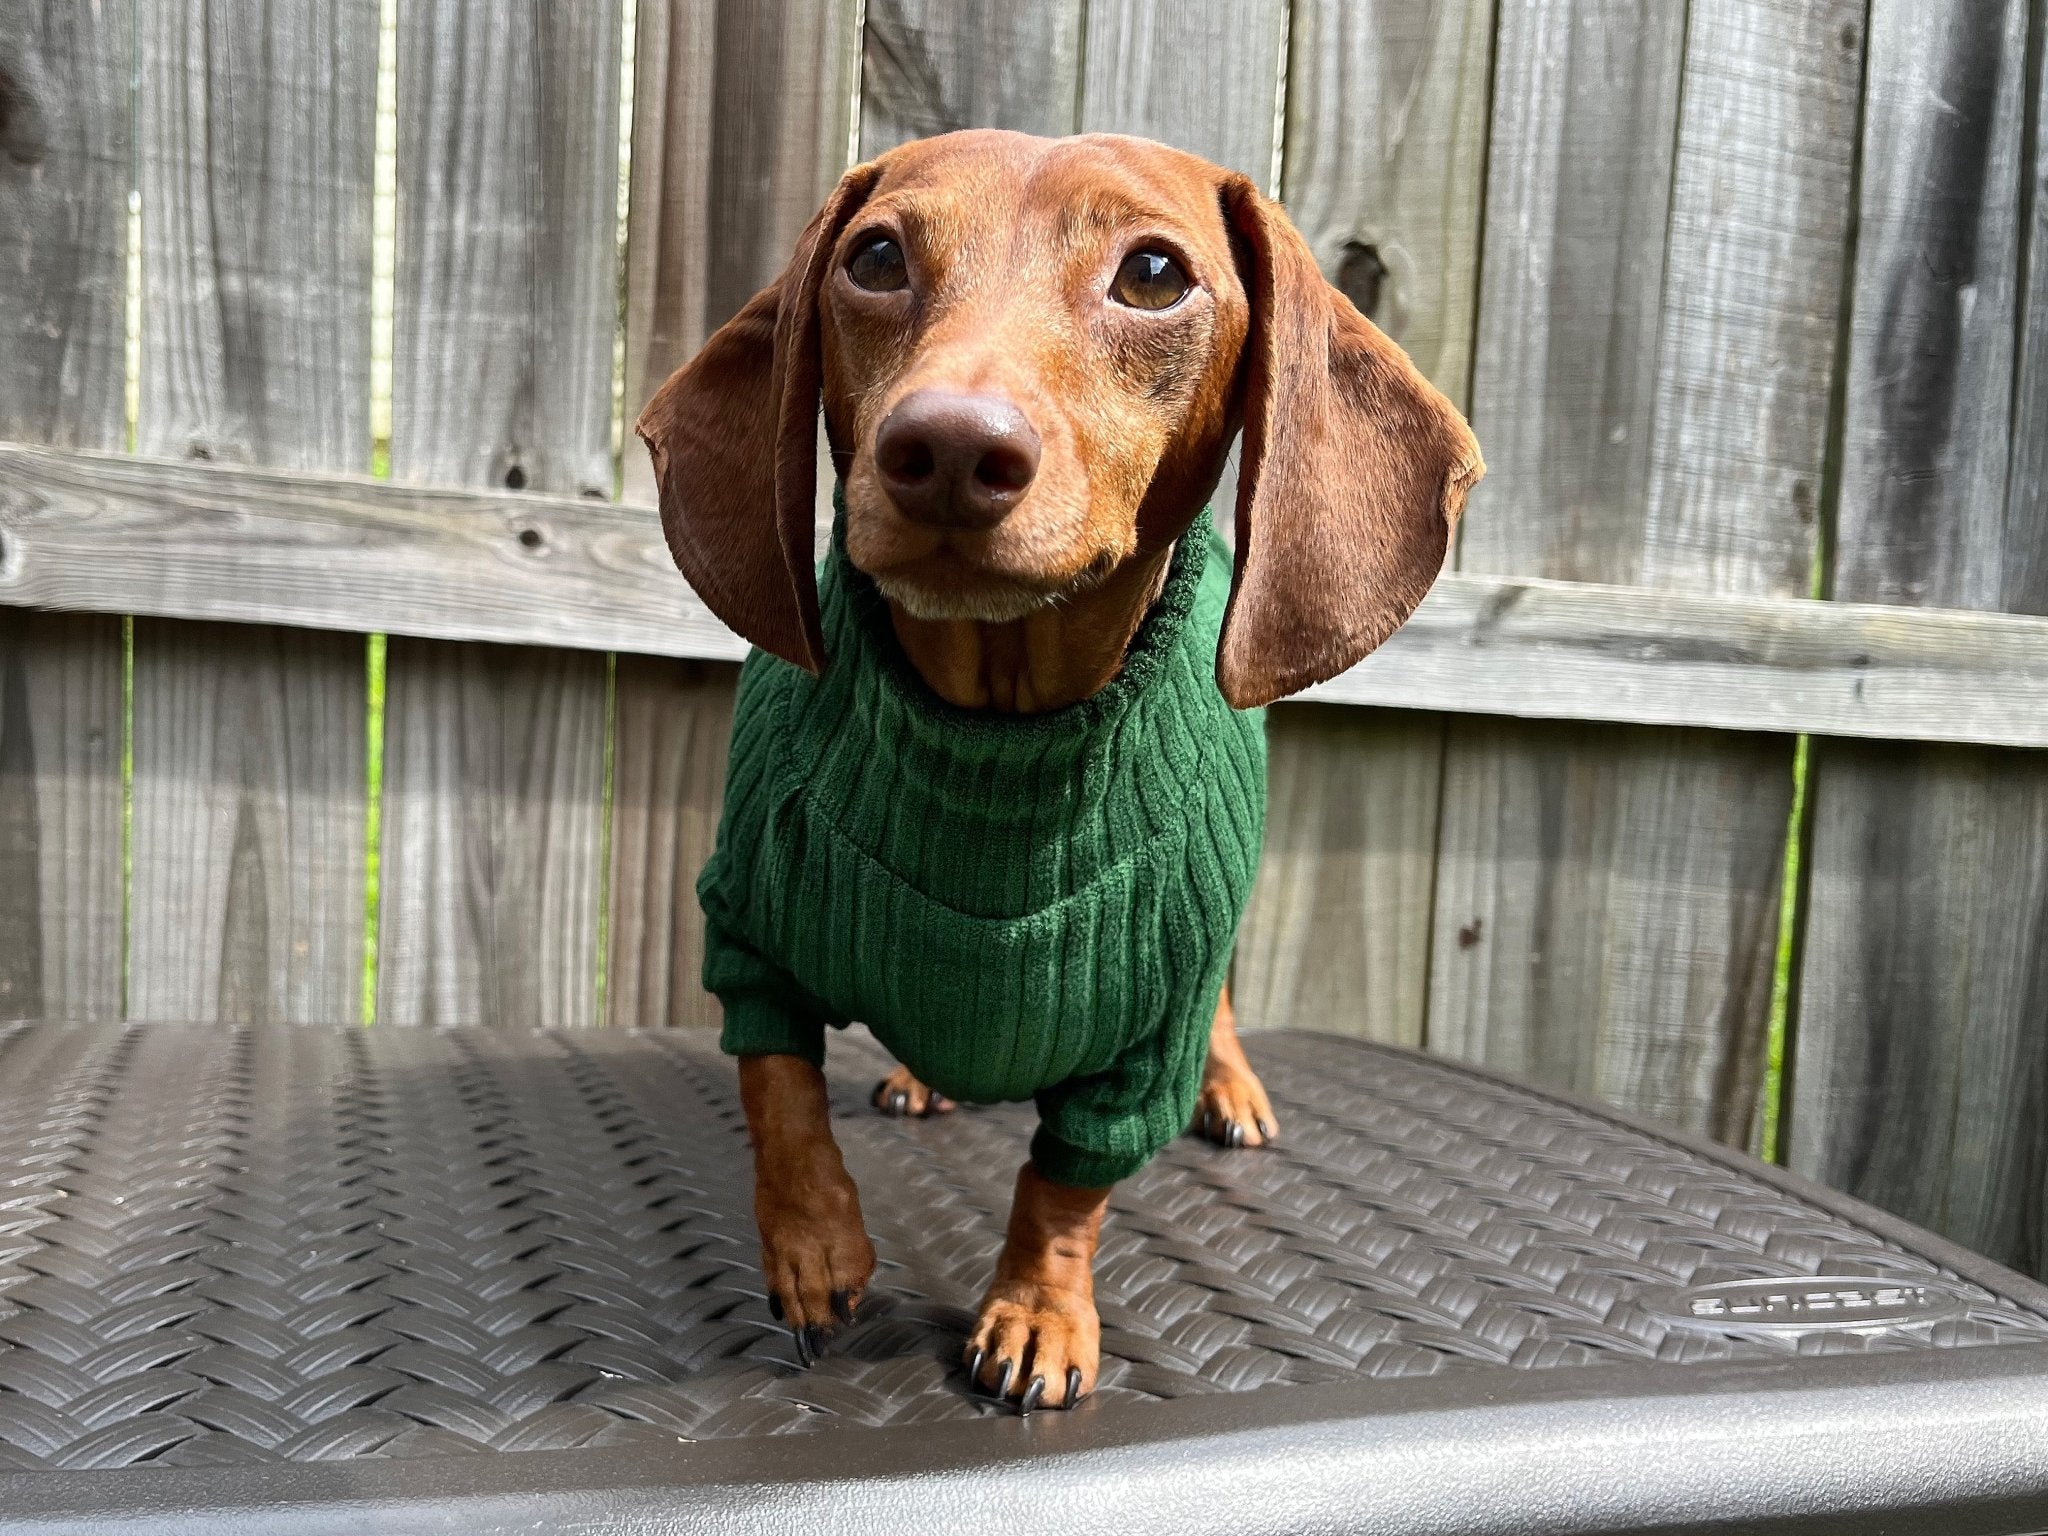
[(1233, 1110), (902, 1094), (1035, 1344), (815, 1255)]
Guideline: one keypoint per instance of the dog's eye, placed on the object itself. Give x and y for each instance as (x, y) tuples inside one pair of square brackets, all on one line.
[(1149, 280), (878, 266)]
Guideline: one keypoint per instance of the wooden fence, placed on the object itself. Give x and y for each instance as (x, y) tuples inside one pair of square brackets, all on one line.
[(1747, 299)]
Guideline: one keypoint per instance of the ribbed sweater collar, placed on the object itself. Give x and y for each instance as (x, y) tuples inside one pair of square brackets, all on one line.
[(1000, 815)]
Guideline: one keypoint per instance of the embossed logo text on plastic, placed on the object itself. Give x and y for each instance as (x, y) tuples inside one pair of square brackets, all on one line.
[(1825, 1303)]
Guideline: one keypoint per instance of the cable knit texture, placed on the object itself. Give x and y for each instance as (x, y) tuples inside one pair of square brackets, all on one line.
[(1019, 906)]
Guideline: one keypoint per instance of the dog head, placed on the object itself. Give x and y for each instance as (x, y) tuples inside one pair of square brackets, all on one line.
[(1032, 356)]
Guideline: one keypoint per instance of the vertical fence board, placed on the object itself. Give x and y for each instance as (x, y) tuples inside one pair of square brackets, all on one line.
[(502, 360), (1920, 1076), (1336, 936), (743, 116), (1386, 148), (742, 119), (257, 131), (1607, 900), (1386, 154), (60, 816), (1199, 74), (246, 897), (668, 786), (932, 66), (64, 177)]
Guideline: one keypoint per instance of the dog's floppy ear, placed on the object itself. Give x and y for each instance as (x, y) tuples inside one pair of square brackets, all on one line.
[(1353, 473), (734, 438)]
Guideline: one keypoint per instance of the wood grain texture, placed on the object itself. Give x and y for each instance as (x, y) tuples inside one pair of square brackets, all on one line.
[(65, 158), (668, 789), (1934, 328), (506, 280), (742, 121), (1386, 143), (1201, 75), (246, 900), (1606, 917), (933, 66), (743, 117), (1607, 901), (60, 816), (1751, 305), (1920, 1078), (502, 355), (1336, 936), (64, 175), (163, 537), (257, 128), (493, 816), (118, 535), (1386, 154), (1920, 1074), (1565, 389)]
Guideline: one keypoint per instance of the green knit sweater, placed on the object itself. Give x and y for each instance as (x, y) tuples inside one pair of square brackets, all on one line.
[(1018, 906)]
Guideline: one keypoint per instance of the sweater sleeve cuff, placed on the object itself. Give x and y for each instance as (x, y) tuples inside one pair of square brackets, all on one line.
[(755, 1026), (1078, 1168), (766, 1012)]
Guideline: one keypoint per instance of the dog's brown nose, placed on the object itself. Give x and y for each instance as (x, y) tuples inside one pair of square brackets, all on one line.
[(954, 460)]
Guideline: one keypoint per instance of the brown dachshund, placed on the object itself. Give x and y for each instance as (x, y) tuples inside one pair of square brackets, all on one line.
[(1032, 357)]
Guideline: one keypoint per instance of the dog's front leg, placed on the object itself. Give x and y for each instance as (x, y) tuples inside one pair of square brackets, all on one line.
[(1038, 1338), (815, 1253)]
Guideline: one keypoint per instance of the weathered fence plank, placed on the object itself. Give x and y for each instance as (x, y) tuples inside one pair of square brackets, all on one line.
[(1199, 74), (118, 535), (64, 177), (931, 66), (502, 360), (1386, 153), (1607, 902), (1386, 145), (1921, 1066), (743, 122), (668, 786), (60, 815), (494, 774), (246, 901), (1336, 936), (743, 116), (257, 132)]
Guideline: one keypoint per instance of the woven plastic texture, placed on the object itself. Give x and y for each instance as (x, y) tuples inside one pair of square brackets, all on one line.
[(222, 1245)]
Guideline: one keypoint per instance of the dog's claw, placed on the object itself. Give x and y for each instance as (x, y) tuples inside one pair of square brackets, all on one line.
[(974, 1366), (1032, 1394), (775, 1306), (1234, 1136), (804, 1356), (1003, 1378), (842, 1307), (1265, 1128), (1073, 1385)]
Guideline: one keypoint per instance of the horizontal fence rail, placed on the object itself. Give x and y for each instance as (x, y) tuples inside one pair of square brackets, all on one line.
[(115, 534)]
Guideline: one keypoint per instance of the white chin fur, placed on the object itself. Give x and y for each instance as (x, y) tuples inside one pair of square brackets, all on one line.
[(977, 607)]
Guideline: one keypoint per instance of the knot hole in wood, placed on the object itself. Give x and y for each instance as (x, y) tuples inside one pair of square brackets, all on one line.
[(24, 137)]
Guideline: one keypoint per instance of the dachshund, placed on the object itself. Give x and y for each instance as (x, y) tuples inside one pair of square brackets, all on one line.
[(1032, 356)]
